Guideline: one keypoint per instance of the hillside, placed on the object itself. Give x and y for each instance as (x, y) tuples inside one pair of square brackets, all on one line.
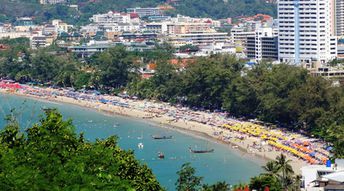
[(10, 9)]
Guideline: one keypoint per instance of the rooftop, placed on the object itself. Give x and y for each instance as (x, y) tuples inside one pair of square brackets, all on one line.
[(336, 176)]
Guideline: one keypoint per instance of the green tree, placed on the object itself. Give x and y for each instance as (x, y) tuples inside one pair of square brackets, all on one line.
[(260, 182), (335, 135), (271, 169), (114, 68), (187, 180), (278, 175), (219, 186), (50, 156), (283, 165)]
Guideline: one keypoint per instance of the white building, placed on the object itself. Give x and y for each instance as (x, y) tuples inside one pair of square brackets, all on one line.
[(340, 17), (44, 2), (61, 26), (263, 45), (41, 41), (145, 12), (198, 39), (239, 35), (14, 34), (170, 27), (111, 17), (306, 31), (318, 177), (120, 27)]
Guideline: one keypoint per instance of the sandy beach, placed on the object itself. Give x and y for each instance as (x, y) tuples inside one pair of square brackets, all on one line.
[(138, 109)]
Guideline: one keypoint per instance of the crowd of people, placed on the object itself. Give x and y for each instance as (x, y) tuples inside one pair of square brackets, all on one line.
[(311, 150)]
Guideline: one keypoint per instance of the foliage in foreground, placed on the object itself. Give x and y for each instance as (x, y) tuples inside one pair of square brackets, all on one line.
[(50, 156), (278, 175), (188, 181)]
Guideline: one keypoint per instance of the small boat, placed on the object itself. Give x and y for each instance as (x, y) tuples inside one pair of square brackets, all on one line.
[(235, 147), (201, 151), (161, 155), (140, 145), (161, 137)]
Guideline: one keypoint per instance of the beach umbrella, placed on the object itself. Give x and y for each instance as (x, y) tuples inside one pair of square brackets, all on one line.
[(312, 154), (14, 86), (306, 143)]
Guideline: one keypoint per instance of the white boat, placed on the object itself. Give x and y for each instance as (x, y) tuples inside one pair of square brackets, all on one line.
[(140, 145)]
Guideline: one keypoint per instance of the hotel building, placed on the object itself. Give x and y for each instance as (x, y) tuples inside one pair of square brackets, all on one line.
[(340, 18), (306, 31)]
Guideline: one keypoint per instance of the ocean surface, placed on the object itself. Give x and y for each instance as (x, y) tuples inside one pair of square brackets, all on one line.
[(224, 164)]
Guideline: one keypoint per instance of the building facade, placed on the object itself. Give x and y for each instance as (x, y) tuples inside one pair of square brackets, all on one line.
[(44, 2), (198, 39), (145, 12), (263, 45), (340, 18), (306, 31), (239, 36), (111, 17)]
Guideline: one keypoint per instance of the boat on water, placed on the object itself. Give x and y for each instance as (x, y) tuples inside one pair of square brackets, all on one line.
[(161, 137), (201, 151), (161, 155), (140, 145)]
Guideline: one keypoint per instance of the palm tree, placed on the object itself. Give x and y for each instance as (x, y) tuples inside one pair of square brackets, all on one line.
[(271, 169), (285, 169), (297, 183), (219, 186)]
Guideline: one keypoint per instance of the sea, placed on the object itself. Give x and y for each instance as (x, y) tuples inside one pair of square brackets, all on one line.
[(224, 164)]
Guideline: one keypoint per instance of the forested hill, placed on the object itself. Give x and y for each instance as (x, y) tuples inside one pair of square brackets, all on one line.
[(10, 9)]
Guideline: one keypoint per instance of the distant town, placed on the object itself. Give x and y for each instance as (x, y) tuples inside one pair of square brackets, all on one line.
[(258, 38)]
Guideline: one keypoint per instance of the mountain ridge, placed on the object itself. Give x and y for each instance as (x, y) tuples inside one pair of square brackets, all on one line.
[(12, 9)]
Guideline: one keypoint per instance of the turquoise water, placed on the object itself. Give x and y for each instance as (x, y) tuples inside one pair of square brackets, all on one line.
[(224, 164)]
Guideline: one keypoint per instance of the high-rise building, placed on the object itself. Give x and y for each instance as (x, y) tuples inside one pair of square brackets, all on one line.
[(340, 18), (262, 45), (306, 31)]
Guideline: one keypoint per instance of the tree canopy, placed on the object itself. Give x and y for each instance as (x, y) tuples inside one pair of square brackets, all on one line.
[(278, 175), (189, 181), (10, 10)]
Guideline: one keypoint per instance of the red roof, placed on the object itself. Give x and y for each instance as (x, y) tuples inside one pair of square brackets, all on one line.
[(134, 15), (146, 76), (181, 62)]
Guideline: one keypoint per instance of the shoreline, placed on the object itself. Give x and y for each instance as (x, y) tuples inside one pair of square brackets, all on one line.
[(188, 127), (240, 151)]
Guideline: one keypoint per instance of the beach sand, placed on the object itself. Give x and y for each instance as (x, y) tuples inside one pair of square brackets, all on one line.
[(189, 126)]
